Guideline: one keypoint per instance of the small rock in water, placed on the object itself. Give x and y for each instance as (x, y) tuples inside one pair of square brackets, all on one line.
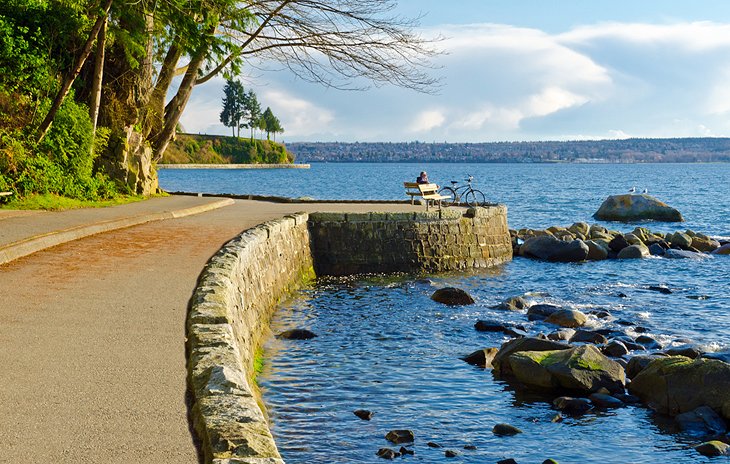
[(387, 453), (587, 336), (648, 342), (505, 430), (641, 330), (698, 297), (515, 303), (570, 318), (400, 436), (363, 414), (702, 421), (557, 418), (605, 401), (570, 405), (470, 447), (297, 334), (431, 444), (687, 351), (627, 398), (550, 461), (494, 326), (622, 295), (713, 448), (615, 349), (481, 358), (450, 453), (507, 461), (452, 296), (539, 312), (405, 451), (660, 288)]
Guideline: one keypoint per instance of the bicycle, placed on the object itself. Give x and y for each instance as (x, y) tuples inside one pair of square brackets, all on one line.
[(472, 196)]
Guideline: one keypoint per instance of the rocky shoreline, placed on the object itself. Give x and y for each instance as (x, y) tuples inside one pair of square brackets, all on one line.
[(585, 242), (586, 369)]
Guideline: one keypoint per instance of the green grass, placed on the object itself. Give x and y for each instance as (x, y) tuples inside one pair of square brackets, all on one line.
[(51, 202)]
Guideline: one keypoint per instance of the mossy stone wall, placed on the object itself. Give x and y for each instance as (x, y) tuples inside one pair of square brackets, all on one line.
[(449, 240)]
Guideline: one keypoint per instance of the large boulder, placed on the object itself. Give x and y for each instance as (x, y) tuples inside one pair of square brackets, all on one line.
[(501, 360), (676, 384), (582, 368), (549, 248), (629, 208)]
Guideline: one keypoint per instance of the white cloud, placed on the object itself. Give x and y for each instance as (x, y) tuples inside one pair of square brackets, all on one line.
[(503, 82), (298, 115), (427, 120)]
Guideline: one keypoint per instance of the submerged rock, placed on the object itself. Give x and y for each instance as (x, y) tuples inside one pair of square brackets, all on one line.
[(573, 406), (684, 254), (581, 368), (515, 303), (387, 453), (629, 208), (363, 414), (701, 421), (495, 326), (540, 312), (505, 430), (452, 296), (400, 436), (296, 334), (723, 250)]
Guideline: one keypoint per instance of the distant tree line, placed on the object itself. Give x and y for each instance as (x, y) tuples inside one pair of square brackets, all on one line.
[(241, 109), (679, 150)]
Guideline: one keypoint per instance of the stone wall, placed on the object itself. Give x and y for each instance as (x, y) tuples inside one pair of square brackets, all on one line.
[(242, 284), (345, 243), (229, 315)]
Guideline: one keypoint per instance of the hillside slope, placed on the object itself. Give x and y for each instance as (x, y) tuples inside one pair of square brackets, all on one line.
[(220, 149)]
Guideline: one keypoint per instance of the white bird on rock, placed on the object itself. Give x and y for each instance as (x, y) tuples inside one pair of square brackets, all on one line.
[(632, 190), (645, 191)]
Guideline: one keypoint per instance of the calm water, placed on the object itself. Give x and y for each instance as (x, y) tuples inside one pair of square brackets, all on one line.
[(383, 345)]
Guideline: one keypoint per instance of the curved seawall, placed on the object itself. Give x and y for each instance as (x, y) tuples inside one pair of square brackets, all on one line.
[(242, 284)]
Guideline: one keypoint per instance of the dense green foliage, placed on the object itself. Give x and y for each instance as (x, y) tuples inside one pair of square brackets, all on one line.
[(211, 149), (63, 162)]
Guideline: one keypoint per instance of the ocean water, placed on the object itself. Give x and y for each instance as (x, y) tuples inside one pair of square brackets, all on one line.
[(537, 195), (385, 346)]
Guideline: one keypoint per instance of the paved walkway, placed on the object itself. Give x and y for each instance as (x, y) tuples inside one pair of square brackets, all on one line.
[(92, 356)]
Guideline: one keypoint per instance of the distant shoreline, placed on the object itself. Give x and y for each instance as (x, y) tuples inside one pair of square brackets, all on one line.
[(233, 166)]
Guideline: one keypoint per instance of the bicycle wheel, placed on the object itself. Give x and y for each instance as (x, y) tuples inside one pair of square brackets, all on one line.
[(450, 193), (475, 198)]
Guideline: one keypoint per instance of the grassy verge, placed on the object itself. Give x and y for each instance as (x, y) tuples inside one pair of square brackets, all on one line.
[(53, 202)]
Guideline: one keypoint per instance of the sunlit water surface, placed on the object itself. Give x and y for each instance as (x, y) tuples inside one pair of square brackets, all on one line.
[(383, 345)]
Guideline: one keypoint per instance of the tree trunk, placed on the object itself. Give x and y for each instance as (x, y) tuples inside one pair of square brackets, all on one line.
[(174, 109), (156, 106), (68, 81), (98, 77)]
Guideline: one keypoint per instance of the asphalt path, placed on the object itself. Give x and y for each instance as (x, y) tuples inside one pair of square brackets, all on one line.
[(92, 355)]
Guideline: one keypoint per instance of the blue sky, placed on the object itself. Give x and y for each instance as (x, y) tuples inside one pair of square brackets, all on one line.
[(525, 70)]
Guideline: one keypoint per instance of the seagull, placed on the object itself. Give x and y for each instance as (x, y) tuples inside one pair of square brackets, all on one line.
[(645, 191), (632, 190)]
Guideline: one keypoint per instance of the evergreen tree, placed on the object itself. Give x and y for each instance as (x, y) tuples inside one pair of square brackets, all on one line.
[(253, 111), (234, 106), (271, 123)]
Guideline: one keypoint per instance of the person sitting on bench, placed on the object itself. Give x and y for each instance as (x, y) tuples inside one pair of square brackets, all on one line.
[(423, 178)]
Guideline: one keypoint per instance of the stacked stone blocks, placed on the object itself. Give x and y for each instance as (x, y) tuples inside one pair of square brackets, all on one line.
[(345, 243)]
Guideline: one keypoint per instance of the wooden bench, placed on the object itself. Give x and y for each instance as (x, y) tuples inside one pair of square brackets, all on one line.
[(429, 192), (5, 194)]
